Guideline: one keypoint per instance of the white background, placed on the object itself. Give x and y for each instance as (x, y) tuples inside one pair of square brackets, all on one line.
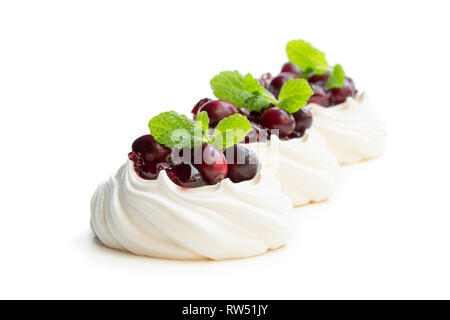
[(79, 81)]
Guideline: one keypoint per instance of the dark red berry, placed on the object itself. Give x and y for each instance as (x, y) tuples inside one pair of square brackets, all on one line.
[(147, 171), (242, 163), (275, 118), (303, 120), (293, 135), (277, 83), (320, 79), (254, 116), (265, 79), (185, 175), (321, 96), (150, 150), (218, 110), (244, 112), (213, 165), (253, 135), (339, 95), (199, 105), (289, 67)]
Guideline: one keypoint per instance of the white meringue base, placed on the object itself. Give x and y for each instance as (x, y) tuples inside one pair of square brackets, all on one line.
[(352, 130), (159, 219), (306, 169)]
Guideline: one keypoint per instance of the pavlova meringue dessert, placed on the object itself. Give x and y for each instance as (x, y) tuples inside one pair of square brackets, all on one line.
[(345, 119), (281, 136), (181, 197)]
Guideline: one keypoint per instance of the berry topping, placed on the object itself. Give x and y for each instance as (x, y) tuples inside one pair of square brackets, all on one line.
[(253, 135), (144, 170), (244, 112), (277, 83), (218, 110), (150, 150), (320, 79), (199, 105), (148, 171), (242, 163), (275, 118), (303, 120), (213, 165), (334, 86), (339, 95), (321, 95), (185, 175), (289, 67), (265, 79)]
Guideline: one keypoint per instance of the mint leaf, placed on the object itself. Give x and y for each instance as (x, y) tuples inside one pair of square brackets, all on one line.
[(307, 73), (202, 121), (172, 129), (230, 131), (337, 77), (242, 91), (202, 127), (294, 95), (256, 103), (305, 56)]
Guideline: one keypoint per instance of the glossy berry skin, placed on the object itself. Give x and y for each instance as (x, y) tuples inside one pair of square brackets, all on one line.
[(253, 135), (265, 79), (150, 150), (275, 118), (321, 96), (339, 95), (319, 79), (199, 104), (277, 83), (254, 116), (213, 166), (303, 120), (143, 170), (244, 112), (242, 163), (289, 67), (218, 110), (185, 175)]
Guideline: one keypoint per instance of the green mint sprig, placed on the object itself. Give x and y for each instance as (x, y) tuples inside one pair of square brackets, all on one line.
[(242, 91), (246, 92), (312, 61), (336, 78), (178, 131)]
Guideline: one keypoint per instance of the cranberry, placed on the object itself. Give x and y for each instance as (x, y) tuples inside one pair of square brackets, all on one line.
[(254, 116), (218, 110), (293, 135), (242, 163), (185, 175), (319, 78), (289, 67), (148, 171), (275, 118), (321, 96), (265, 79), (277, 83), (253, 135), (339, 95), (244, 112), (199, 105), (213, 165), (150, 149), (303, 120)]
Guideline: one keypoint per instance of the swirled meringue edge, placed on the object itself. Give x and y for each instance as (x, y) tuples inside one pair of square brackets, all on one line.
[(159, 219), (353, 130), (307, 170)]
